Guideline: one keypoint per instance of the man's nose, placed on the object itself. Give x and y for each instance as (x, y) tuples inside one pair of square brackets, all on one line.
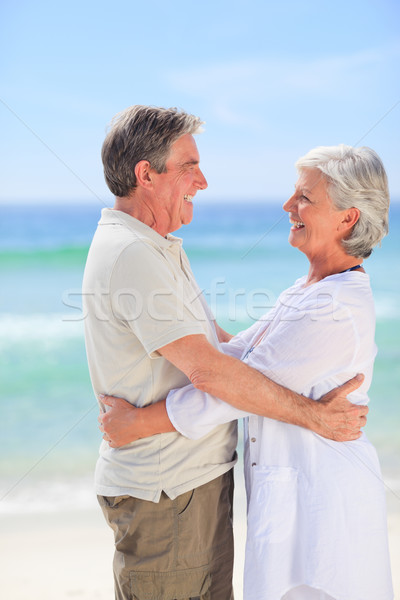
[(201, 181)]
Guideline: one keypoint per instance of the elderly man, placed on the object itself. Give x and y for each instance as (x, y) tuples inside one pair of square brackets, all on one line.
[(148, 330)]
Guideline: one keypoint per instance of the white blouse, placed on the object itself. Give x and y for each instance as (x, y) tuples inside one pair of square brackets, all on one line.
[(316, 508)]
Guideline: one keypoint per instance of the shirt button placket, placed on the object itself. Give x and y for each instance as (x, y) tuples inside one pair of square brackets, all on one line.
[(252, 424)]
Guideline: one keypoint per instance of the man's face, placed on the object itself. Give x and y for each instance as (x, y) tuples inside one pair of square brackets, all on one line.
[(175, 189)]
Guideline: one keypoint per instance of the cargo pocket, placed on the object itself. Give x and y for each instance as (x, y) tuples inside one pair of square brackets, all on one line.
[(273, 504), (111, 501), (171, 585)]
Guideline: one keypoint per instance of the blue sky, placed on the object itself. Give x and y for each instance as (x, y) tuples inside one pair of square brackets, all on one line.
[(271, 80)]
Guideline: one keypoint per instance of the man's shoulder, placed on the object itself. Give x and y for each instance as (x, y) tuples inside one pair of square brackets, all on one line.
[(122, 252), (121, 240)]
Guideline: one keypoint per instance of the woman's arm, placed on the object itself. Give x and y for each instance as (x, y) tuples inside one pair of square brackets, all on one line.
[(123, 423), (223, 336)]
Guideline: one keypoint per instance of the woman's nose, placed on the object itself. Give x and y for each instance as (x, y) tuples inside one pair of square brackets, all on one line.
[(289, 204)]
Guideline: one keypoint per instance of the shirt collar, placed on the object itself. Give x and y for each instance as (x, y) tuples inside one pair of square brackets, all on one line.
[(110, 216)]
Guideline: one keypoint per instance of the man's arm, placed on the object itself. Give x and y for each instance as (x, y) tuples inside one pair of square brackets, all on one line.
[(247, 389), (333, 417), (124, 423)]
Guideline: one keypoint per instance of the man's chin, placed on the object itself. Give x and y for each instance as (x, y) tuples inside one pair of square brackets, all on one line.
[(188, 214)]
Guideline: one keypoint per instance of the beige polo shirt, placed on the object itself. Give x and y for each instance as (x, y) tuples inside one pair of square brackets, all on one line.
[(139, 294)]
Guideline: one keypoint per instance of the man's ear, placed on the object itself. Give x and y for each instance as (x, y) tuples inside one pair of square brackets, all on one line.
[(143, 174), (350, 218)]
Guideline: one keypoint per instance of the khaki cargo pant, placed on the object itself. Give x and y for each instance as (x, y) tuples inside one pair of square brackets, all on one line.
[(175, 549)]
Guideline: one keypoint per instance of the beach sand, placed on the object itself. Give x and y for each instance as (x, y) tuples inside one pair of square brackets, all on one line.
[(68, 555)]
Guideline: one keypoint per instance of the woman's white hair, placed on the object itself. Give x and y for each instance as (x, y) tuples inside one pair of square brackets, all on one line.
[(356, 178)]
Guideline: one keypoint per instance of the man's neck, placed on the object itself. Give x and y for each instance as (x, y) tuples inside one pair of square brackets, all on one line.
[(139, 209)]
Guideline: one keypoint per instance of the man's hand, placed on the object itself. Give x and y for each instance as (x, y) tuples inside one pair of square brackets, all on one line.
[(338, 418), (123, 423)]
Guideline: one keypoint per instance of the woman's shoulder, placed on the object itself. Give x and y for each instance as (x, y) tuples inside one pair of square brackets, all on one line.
[(340, 288), (342, 285), (334, 295), (349, 292)]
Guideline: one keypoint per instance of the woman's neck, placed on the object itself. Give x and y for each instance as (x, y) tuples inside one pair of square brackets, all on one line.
[(321, 268)]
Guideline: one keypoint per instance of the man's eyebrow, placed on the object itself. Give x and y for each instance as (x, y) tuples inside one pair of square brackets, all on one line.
[(193, 161)]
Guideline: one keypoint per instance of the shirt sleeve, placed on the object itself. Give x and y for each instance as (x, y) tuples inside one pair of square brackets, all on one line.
[(148, 298)]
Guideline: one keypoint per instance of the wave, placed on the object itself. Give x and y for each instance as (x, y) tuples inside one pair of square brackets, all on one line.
[(53, 256), (77, 493), (387, 307), (26, 328), (238, 310), (48, 496)]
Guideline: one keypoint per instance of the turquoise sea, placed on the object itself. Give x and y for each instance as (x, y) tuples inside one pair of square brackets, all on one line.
[(241, 259)]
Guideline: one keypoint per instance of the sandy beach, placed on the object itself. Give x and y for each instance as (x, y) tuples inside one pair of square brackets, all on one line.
[(67, 555)]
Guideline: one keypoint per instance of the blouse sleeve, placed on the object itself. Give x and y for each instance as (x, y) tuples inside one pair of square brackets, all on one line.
[(194, 413), (240, 342)]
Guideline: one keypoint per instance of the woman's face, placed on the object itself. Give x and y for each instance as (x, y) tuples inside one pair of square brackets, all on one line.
[(316, 224)]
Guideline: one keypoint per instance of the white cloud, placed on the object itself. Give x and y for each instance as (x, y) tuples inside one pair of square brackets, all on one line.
[(262, 80)]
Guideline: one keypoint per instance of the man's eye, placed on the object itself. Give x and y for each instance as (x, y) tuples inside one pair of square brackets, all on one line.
[(305, 198)]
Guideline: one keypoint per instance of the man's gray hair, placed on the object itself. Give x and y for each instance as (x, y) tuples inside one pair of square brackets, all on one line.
[(356, 178), (142, 133)]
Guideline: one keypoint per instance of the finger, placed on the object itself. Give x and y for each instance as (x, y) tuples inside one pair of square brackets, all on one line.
[(352, 384), (108, 400), (102, 422)]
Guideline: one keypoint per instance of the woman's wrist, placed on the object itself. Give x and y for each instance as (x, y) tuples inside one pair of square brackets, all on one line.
[(153, 419)]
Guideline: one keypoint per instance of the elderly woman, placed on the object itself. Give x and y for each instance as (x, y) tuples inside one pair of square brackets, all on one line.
[(316, 508)]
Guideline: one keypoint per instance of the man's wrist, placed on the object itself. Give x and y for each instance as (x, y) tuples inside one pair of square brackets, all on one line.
[(308, 414)]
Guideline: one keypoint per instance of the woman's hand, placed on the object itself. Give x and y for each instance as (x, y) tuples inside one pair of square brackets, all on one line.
[(123, 423)]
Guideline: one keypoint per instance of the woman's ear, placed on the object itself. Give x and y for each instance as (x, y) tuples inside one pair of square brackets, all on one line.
[(350, 218), (143, 174)]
